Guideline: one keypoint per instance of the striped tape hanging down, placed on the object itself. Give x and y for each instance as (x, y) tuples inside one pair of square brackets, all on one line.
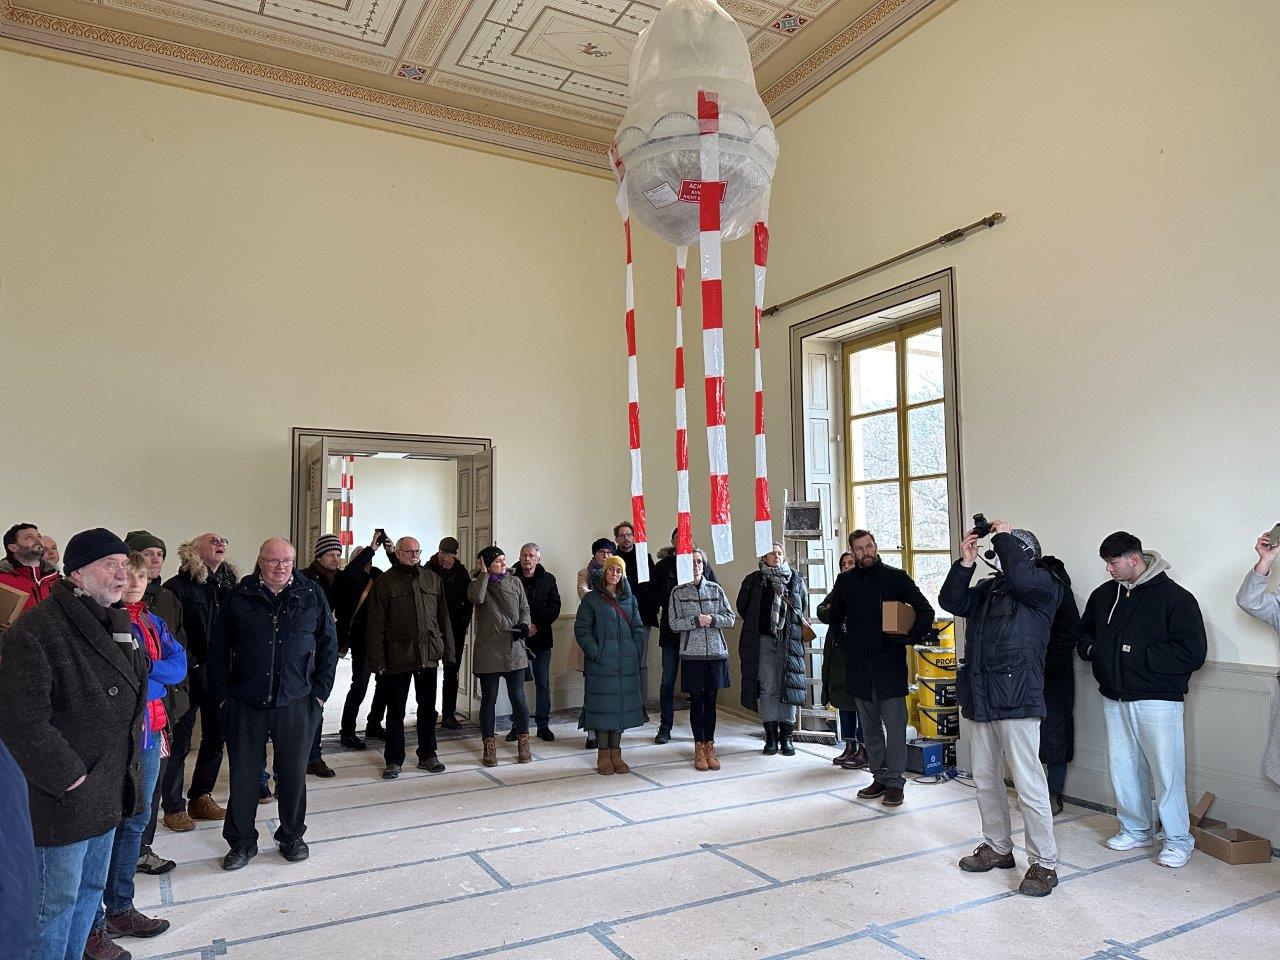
[(764, 520), (684, 518), (709, 198), (346, 509), (633, 402)]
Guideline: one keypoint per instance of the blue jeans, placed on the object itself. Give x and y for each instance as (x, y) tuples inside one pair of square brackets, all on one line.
[(667, 692), (540, 660), (849, 728), (1146, 748), (118, 895), (69, 884)]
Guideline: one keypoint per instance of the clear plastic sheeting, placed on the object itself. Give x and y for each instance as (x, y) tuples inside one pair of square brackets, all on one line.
[(693, 45)]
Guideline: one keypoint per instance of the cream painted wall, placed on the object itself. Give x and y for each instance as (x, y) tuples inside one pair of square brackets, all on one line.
[(185, 277)]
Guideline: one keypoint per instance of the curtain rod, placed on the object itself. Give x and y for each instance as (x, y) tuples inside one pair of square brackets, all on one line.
[(953, 236)]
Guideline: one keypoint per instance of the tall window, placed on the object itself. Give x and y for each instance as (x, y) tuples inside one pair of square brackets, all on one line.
[(898, 449)]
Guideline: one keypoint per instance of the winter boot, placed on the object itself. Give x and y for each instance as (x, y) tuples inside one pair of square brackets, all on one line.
[(770, 738), (700, 756), (522, 749), (604, 761), (849, 747), (490, 758), (785, 744), (713, 762), (619, 765)]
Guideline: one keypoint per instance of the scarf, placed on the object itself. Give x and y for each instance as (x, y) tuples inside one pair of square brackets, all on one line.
[(777, 578), (594, 569), (496, 577), (157, 718)]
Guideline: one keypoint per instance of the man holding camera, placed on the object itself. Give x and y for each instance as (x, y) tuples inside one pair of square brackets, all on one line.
[(1001, 693)]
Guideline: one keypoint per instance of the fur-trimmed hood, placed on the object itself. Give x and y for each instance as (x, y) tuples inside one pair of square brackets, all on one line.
[(189, 562)]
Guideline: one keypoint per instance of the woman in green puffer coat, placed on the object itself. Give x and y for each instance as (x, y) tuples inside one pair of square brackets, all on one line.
[(609, 631)]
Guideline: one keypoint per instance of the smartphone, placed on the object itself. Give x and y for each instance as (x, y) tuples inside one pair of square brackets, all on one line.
[(1274, 536)]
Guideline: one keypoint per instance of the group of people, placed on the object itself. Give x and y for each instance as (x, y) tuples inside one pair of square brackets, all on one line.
[(106, 669)]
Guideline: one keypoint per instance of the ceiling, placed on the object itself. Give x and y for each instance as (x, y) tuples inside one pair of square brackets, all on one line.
[(545, 79)]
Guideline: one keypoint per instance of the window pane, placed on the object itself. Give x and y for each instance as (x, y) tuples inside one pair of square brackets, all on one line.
[(930, 570), (926, 436), (924, 366), (873, 378), (876, 507), (929, 515), (892, 559), (873, 447)]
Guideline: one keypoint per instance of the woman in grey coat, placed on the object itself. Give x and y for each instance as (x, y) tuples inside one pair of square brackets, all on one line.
[(700, 613), (1254, 600), (609, 631), (502, 625)]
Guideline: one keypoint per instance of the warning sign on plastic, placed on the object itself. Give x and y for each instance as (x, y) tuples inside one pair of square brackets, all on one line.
[(691, 190), (662, 195)]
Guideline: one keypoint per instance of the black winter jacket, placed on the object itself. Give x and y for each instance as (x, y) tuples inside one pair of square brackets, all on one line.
[(1009, 619), (876, 662), (1058, 728), (665, 580), (200, 602), (456, 581), (72, 704), (754, 598), (647, 598), (1144, 642), (544, 605), (347, 591), (268, 651), (162, 602)]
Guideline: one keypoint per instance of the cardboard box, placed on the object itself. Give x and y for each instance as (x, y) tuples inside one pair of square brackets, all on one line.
[(897, 617), (11, 603), (1224, 842)]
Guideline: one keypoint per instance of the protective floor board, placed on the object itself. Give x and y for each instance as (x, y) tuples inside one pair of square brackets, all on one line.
[(1249, 934), (730, 786)]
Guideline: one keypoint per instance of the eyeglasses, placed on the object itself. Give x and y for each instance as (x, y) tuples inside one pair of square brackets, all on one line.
[(277, 563), (114, 567), (219, 542), (410, 553)]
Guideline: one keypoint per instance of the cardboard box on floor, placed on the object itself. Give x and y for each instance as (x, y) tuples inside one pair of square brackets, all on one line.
[(898, 618), (1224, 842)]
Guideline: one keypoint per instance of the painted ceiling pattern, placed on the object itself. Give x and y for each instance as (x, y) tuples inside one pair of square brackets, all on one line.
[(542, 77)]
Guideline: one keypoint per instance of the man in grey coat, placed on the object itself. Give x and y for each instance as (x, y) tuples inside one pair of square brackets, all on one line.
[(1254, 600)]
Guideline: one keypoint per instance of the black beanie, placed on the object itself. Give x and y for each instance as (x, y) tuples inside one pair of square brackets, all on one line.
[(490, 554), (604, 544), (91, 545), (139, 540)]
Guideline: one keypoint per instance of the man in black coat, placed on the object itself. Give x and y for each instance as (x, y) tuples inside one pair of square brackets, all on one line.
[(665, 579), (624, 535), (875, 661), (444, 564), (1000, 687), (73, 697), (544, 607), (1144, 636), (1058, 728), (324, 572), (271, 665), (350, 609)]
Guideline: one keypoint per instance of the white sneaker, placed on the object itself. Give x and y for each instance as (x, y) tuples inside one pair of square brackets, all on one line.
[(1127, 841), (1173, 857)]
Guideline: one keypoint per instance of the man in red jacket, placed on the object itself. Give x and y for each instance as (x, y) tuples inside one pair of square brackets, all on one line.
[(24, 566)]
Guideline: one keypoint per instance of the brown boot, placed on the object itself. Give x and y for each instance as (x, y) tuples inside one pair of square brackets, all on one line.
[(619, 765), (522, 749), (849, 747), (1039, 881), (102, 947), (604, 761), (713, 762), (131, 923), (204, 807), (490, 758), (700, 756), (179, 822), (985, 858)]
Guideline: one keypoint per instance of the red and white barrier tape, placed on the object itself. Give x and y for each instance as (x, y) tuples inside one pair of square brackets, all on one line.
[(709, 197), (633, 401), (764, 520), (684, 517)]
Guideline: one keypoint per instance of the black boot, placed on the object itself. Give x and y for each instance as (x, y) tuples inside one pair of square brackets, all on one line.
[(786, 746), (770, 738)]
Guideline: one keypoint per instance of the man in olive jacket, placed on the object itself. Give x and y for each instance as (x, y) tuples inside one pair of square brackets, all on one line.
[(408, 634), (73, 694)]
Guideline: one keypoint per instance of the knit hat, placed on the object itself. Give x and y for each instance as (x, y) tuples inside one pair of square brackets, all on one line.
[(490, 554), (139, 540), (326, 543), (603, 544), (614, 562), (449, 545), (91, 545), (1028, 540)]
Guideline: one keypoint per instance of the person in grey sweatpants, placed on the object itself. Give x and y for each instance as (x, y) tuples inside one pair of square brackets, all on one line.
[(1000, 687)]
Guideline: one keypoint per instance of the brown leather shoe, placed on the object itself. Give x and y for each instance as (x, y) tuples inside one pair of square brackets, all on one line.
[(490, 758), (619, 765), (700, 756), (713, 762), (522, 749), (179, 822), (872, 790), (604, 761), (131, 923), (844, 754), (1039, 881), (101, 947), (985, 858), (892, 797), (204, 807), (857, 760)]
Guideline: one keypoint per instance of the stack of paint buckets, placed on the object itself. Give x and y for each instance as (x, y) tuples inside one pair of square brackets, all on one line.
[(936, 714)]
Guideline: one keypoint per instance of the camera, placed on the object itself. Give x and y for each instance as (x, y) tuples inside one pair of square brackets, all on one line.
[(981, 525)]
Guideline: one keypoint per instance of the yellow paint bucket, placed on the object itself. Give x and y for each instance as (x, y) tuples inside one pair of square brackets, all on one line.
[(913, 706), (936, 692), (938, 722), (939, 662)]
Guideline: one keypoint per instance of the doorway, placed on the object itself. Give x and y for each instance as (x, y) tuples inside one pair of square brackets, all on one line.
[(347, 483)]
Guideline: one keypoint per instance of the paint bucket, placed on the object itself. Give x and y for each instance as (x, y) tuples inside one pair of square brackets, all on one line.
[(936, 692), (938, 722), (939, 662), (913, 704)]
